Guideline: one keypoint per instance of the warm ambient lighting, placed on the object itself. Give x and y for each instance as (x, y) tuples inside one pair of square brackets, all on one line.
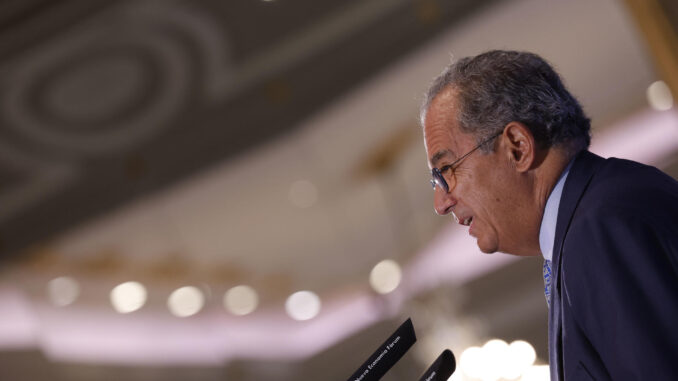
[(185, 301), (303, 305), (63, 291), (521, 357), (303, 194), (128, 297), (659, 96), (497, 360), (385, 276), (537, 373), (495, 356), (241, 300), (471, 362)]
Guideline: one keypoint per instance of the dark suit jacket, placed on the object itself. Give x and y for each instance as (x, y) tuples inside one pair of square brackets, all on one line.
[(614, 298)]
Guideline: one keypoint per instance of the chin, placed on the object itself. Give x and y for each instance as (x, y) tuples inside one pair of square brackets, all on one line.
[(487, 247), (487, 251)]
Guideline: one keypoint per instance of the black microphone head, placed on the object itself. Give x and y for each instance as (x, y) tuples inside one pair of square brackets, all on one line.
[(441, 369)]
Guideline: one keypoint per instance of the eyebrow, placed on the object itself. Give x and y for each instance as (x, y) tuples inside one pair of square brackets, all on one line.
[(439, 155)]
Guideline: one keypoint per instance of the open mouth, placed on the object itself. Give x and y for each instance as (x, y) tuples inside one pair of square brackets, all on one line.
[(467, 221)]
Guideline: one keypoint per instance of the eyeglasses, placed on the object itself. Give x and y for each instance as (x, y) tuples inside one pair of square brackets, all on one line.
[(438, 179)]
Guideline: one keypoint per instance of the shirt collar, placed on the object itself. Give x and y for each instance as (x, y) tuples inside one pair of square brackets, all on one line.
[(547, 231)]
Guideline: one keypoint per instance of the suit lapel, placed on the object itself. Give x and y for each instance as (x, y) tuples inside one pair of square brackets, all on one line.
[(583, 168)]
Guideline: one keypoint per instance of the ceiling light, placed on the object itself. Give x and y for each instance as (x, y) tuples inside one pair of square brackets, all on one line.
[(659, 96), (521, 356), (63, 291), (186, 301), (128, 297), (385, 276), (303, 305), (495, 356), (537, 373), (241, 300), (471, 362)]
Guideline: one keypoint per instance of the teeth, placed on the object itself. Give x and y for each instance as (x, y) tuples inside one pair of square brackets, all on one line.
[(468, 221)]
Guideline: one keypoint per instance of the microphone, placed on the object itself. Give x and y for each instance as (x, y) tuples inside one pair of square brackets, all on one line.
[(387, 354), (441, 369)]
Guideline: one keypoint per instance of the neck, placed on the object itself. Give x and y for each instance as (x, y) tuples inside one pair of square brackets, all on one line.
[(552, 164), (549, 171)]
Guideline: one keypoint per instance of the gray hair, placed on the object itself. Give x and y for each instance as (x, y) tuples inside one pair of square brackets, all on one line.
[(499, 87)]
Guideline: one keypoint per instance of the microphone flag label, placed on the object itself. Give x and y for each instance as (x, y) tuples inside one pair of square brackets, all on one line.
[(387, 354)]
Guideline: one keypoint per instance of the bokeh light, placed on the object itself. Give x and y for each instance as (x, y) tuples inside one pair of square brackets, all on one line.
[(303, 305), (497, 360), (659, 96), (186, 301), (241, 300), (521, 356), (471, 362), (536, 373), (385, 276), (63, 291), (128, 297), (495, 356)]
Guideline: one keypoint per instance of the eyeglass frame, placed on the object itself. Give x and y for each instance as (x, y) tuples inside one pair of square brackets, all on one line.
[(437, 174)]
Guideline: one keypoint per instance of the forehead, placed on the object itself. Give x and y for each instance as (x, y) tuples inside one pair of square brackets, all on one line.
[(442, 136)]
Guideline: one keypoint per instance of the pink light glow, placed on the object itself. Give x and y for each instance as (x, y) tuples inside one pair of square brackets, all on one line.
[(214, 337), (647, 137), (451, 258), (18, 326), (211, 338)]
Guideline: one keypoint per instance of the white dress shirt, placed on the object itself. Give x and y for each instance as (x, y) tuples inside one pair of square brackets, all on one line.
[(547, 231)]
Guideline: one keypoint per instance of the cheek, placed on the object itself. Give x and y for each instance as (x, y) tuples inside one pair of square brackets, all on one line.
[(483, 187), (491, 200)]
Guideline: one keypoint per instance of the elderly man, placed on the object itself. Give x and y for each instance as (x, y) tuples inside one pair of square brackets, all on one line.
[(507, 146)]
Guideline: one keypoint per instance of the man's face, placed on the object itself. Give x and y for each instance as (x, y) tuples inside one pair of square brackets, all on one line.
[(486, 193)]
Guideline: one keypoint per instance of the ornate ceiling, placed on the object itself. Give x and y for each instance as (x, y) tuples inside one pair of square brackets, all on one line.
[(105, 101)]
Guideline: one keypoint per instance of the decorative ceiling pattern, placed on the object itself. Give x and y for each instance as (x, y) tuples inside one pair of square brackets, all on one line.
[(105, 101)]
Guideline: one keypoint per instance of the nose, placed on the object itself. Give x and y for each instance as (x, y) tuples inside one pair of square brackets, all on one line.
[(443, 202)]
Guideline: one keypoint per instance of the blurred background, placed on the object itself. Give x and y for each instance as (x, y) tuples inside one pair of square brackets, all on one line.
[(238, 190)]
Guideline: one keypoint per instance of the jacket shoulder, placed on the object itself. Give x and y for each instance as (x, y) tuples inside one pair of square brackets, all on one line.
[(631, 186)]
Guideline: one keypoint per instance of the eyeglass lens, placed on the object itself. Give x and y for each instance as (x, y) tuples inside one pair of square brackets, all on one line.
[(439, 180)]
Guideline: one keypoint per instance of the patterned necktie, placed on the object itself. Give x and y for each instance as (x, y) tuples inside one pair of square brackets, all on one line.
[(547, 281)]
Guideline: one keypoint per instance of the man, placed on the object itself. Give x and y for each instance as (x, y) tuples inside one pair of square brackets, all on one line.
[(507, 145)]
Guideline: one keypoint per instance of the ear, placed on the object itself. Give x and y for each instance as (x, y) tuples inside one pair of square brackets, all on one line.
[(520, 145)]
